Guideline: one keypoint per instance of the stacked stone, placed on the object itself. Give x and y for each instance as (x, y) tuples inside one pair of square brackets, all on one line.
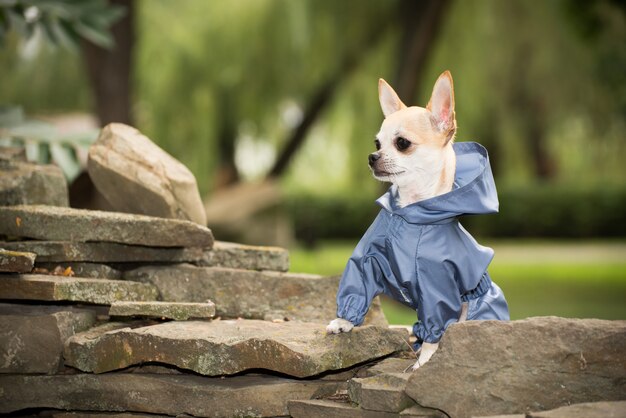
[(181, 323), (124, 315)]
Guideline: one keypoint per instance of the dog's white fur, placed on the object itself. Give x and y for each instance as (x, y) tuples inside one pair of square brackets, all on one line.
[(414, 152)]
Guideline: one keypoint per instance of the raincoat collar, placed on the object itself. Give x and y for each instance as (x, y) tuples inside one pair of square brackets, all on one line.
[(474, 191)]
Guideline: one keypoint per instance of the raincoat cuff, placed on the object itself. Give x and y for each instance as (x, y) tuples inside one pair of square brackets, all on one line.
[(423, 335), (350, 314)]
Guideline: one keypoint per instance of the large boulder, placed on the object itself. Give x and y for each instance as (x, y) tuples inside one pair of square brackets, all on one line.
[(512, 367), (23, 183), (137, 176), (226, 347)]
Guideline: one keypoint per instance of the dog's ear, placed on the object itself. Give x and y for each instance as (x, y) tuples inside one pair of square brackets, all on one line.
[(389, 100), (441, 105)]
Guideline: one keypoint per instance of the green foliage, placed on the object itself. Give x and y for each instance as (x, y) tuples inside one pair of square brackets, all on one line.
[(537, 211), (62, 22), (43, 143)]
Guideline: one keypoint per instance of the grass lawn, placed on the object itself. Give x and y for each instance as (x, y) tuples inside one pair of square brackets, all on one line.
[(571, 279)]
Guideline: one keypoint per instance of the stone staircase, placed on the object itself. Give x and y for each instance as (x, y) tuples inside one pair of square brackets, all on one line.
[(140, 323), (109, 314)]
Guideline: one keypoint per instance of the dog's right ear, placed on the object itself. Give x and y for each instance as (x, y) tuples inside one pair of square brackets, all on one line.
[(389, 100)]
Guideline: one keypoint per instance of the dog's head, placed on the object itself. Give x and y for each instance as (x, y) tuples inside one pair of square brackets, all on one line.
[(412, 140)]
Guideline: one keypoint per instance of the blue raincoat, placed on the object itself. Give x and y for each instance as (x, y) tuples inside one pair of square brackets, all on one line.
[(421, 256)]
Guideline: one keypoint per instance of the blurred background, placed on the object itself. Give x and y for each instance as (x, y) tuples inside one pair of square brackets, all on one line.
[(273, 106)]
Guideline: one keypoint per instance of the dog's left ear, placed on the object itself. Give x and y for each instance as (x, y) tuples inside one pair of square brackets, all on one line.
[(441, 105)]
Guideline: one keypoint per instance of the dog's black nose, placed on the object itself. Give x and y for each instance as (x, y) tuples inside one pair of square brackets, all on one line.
[(373, 157)]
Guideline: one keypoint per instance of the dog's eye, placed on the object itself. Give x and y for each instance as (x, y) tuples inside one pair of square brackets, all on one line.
[(402, 143), (377, 144)]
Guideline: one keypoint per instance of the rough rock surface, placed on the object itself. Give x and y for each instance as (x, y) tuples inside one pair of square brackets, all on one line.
[(104, 252), (76, 289), (585, 410), (179, 311), (249, 257), (498, 367), (23, 183), (228, 347), (384, 392), (32, 337), (258, 396), (251, 294), (221, 255), (67, 224), (16, 261), (137, 176), (81, 269), (322, 408)]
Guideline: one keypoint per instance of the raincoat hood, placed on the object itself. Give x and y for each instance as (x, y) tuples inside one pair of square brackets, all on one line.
[(474, 191)]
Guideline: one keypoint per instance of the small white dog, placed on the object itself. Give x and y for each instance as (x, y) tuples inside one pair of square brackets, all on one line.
[(416, 251)]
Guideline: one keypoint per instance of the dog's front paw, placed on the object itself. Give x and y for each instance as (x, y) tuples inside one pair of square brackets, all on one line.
[(426, 352), (339, 325)]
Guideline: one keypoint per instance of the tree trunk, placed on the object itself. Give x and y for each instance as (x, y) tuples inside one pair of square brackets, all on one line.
[(323, 97), (110, 70), (420, 22)]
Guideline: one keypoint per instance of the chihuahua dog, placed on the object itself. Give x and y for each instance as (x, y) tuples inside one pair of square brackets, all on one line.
[(416, 251)]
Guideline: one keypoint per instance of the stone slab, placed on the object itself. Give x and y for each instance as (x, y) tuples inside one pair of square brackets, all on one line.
[(384, 392), (512, 367), (24, 183), (104, 252), (585, 410), (221, 255), (82, 269), (251, 294), (67, 224), (323, 408), (179, 311), (231, 346), (247, 257), (199, 396), (135, 175), (105, 415), (32, 337), (74, 289), (388, 365), (16, 261)]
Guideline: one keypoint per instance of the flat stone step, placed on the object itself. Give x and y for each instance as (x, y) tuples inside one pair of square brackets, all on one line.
[(251, 294), (82, 269), (198, 396), (179, 311), (67, 224), (222, 254), (616, 409), (104, 252), (231, 346), (384, 392), (322, 408), (75, 289), (247, 257), (32, 337), (16, 261)]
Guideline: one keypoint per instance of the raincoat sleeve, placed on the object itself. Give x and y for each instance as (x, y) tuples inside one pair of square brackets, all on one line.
[(439, 300), (361, 281)]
